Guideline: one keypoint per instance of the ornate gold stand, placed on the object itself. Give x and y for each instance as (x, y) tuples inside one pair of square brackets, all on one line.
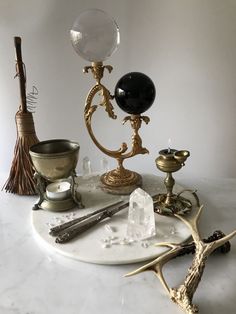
[(169, 203), (119, 180)]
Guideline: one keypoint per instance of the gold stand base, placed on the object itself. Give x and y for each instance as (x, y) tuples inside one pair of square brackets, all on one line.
[(175, 204), (120, 183), (59, 205)]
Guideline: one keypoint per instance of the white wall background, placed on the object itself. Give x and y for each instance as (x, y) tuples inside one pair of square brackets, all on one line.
[(187, 47)]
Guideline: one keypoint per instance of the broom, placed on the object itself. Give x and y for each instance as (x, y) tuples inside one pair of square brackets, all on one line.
[(21, 177)]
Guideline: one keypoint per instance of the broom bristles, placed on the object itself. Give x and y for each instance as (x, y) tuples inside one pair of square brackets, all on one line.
[(21, 178)]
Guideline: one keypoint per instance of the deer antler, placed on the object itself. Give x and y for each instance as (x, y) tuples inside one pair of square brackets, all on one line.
[(183, 294)]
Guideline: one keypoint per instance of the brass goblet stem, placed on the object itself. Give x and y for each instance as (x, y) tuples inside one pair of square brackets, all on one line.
[(169, 183), (40, 188)]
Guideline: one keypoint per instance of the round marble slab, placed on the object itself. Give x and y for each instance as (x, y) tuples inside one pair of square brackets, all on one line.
[(89, 246)]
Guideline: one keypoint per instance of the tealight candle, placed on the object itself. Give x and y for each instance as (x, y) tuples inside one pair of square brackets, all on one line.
[(58, 190)]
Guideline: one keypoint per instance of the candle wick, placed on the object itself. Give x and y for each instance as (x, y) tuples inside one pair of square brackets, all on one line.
[(169, 144)]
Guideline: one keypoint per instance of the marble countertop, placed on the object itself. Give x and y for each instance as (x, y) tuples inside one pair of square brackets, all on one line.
[(35, 280)]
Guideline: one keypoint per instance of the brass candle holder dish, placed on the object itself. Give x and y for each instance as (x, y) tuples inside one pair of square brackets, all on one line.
[(95, 36), (169, 161), (55, 161)]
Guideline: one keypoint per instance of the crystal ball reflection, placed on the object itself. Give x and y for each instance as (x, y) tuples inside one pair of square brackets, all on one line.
[(94, 35), (135, 93)]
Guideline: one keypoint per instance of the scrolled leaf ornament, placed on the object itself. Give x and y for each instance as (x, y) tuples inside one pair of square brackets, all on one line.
[(120, 176)]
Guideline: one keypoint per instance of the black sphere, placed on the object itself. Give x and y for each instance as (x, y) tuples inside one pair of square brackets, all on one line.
[(135, 93)]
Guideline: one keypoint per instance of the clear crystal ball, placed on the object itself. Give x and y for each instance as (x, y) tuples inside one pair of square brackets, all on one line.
[(94, 35)]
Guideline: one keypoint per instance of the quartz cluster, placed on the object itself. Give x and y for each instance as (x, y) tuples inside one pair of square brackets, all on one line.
[(141, 216)]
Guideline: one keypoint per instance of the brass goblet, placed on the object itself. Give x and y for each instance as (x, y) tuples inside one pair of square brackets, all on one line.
[(169, 161), (55, 161)]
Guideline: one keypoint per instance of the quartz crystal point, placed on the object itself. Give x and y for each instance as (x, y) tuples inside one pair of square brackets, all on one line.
[(104, 165), (86, 167), (141, 217)]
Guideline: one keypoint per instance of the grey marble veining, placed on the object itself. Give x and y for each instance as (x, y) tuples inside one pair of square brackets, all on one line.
[(35, 280)]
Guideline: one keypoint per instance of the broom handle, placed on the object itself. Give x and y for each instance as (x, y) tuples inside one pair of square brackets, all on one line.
[(21, 74)]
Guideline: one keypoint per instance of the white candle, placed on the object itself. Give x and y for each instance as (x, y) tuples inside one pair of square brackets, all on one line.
[(169, 145), (58, 190)]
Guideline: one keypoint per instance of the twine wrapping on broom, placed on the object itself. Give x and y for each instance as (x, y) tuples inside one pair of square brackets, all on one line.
[(21, 177)]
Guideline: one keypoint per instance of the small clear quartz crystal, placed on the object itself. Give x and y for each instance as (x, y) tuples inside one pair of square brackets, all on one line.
[(141, 219), (109, 228), (104, 165), (86, 166)]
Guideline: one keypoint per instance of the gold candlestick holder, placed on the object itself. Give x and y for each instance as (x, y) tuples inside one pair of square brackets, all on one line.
[(119, 180), (169, 161)]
